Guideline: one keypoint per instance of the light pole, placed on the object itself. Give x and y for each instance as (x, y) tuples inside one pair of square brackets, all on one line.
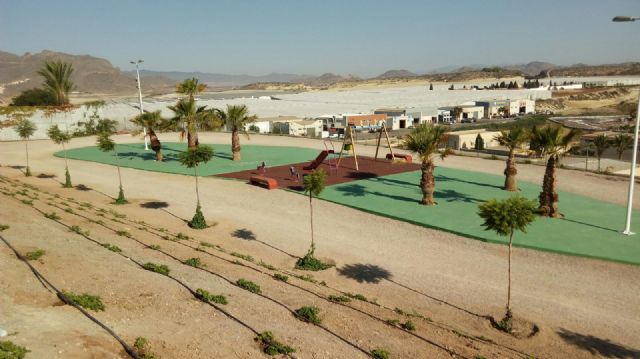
[(139, 85), (632, 176)]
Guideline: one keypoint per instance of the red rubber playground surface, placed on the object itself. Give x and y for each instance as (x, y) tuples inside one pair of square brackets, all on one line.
[(368, 168)]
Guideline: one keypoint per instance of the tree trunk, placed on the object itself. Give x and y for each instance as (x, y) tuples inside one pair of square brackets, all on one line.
[(313, 246), (427, 183), (195, 169), (155, 144), (598, 163), (192, 139), (509, 286), (235, 144), (548, 197), (510, 173), (26, 147)]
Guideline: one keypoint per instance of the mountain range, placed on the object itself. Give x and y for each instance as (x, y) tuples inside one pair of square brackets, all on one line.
[(93, 75)]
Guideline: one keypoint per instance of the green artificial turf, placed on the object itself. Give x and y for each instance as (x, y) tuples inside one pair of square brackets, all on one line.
[(134, 156), (590, 228)]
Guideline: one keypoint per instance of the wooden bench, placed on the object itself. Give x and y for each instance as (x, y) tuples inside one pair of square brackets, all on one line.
[(406, 157), (266, 182)]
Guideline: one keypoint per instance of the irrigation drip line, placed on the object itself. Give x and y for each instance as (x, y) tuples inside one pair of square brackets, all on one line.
[(158, 234), (68, 301)]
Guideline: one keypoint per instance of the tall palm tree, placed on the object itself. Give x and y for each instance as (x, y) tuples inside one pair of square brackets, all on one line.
[(25, 130), (57, 80), (425, 140), (621, 143), (190, 87), (235, 118), (151, 120), (512, 140), (59, 137), (551, 141), (601, 142), (191, 117)]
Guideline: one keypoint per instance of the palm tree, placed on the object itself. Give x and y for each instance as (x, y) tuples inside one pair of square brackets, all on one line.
[(25, 130), (190, 87), (57, 80), (191, 159), (601, 142), (235, 119), (106, 144), (151, 120), (505, 217), (621, 143), (60, 138), (314, 184), (551, 141), (191, 117), (425, 140), (512, 140)]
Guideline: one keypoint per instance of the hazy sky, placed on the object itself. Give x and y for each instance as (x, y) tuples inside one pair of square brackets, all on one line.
[(362, 37)]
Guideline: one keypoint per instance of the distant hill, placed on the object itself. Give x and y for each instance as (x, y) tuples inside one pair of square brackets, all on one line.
[(216, 80), (393, 74), (92, 75)]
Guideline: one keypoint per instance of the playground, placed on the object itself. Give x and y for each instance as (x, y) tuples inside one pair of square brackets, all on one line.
[(389, 187)]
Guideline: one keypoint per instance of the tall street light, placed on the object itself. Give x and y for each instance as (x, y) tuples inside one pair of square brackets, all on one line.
[(632, 176), (139, 85)]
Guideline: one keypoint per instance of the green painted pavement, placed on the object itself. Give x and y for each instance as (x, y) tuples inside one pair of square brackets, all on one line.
[(590, 228), (134, 156)]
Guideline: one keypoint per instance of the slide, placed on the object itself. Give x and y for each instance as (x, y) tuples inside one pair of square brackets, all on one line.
[(317, 162)]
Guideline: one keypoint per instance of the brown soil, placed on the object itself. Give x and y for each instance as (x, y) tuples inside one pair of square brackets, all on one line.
[(448, 285)]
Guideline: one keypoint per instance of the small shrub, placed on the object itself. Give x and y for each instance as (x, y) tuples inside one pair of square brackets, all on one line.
[(307, 278), (140, 343), (85, 300), (35, 255), (142, 348), (158, 268), (9, 350), (309, 262), (281, 277), (207, 244), (479, 357), (393, 322), (123, 233), (53, 215), (309, 314), (112, 247), (357, 296), (505, 324), (408, 325), (205, 296), (198, 221), (154, 247), (246, 257), (4, 227), (194, 262), (272, 347), (339, 298), (86, 205), (249, 285), (28, 202), (181, 236), (380, 353), (76, 229), (266, 265)]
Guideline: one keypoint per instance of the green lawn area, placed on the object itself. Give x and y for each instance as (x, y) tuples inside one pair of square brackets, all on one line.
[(590, 228), (134, 156)]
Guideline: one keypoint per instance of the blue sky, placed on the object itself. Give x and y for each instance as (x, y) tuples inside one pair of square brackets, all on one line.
[(362, 37)]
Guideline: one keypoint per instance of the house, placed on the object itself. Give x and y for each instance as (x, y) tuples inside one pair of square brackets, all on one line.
[(466, 140), (309, 128), (506, 108), (390, 112), (462, 113), (259, 126), (445, 115)]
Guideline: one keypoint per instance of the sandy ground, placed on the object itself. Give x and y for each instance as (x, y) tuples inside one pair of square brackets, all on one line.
[(583, 308)]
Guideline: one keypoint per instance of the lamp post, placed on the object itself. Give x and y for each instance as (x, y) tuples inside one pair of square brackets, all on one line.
[(139, 85), (632, 176)]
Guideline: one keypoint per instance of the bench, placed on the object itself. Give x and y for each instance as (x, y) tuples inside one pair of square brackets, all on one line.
[(406, 157), (266, 182)]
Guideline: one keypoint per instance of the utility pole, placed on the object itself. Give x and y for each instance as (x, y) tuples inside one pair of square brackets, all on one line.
[(139, 85)]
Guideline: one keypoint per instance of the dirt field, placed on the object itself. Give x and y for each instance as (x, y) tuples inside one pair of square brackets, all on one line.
[(583, 308)]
